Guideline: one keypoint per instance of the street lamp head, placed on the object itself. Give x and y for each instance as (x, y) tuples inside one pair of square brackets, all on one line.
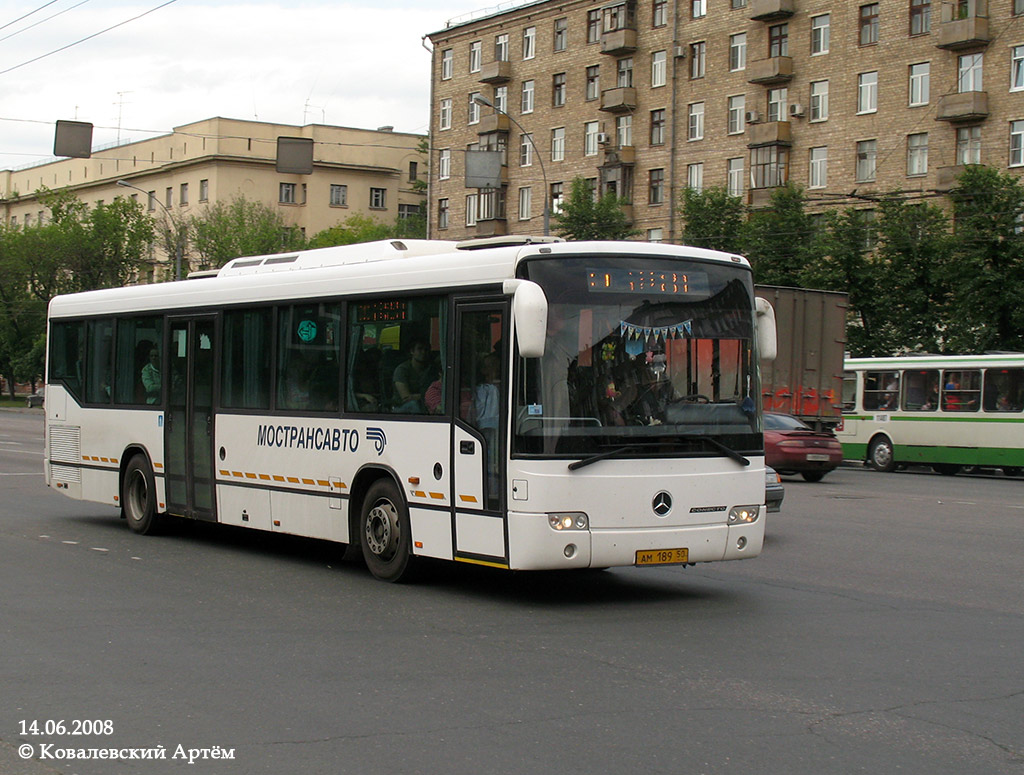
[(125, 183), (482, 100)]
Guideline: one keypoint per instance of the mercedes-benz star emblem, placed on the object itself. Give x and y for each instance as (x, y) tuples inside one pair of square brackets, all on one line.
[(662, 504)]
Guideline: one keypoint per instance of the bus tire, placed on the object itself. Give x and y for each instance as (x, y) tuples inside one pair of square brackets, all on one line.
[(384, 532), (880, 455), (946, 469), (813, 476), (138, 496)]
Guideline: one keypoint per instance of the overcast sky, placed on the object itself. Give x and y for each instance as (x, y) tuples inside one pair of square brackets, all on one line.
[(357, 63)]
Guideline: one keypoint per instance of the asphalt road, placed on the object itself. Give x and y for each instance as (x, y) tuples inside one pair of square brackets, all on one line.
[(881, 631)]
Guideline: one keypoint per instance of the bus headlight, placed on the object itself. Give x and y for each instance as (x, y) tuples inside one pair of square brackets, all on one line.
[(574, 520), (739, 515)]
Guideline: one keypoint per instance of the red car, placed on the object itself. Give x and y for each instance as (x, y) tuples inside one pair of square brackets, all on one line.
[(790, 447)]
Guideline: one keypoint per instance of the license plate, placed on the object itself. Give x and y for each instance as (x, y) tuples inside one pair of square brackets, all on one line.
[(818, 458), (662, 556)]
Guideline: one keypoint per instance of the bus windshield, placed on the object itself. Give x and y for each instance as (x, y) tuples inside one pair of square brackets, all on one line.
[(644, 356)]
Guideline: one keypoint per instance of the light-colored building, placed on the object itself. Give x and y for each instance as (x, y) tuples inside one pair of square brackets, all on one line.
[(364, 171), (847, 99)]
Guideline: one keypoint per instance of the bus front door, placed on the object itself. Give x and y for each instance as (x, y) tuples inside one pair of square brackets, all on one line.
[(188, 422)]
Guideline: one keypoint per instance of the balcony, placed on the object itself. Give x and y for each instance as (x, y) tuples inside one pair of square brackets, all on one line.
[(620, 100), (965, 106), (496, 72), (769, 133), (618, 42), (493, 122), (492, 227), (760, 197), (771, 10), (947, 177), (770, 71), (619, 154), (964, 25)]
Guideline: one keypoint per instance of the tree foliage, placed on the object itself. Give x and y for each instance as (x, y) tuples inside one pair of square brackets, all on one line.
[(712, 218), (240, 227), (781, 240), (582, 217)]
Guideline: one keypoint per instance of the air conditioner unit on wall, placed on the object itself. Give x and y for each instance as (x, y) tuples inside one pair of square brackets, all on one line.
[(753, 117), (603, 138), (680, 52), (796, 110)]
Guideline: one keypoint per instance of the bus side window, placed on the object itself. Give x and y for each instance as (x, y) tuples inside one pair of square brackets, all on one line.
[(849, 391), (1004, 390), (961, 391), (881, 390), (921, 391)]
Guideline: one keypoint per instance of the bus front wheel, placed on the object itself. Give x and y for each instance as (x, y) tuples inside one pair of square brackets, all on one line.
[(138, 496), (880, 455), (384, 532)]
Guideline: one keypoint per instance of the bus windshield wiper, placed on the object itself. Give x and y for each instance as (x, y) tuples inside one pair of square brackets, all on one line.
[(577, 464), (713, 442)]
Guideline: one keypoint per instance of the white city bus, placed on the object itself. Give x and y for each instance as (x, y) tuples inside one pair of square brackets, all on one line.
[(532, 404), (944, 411)]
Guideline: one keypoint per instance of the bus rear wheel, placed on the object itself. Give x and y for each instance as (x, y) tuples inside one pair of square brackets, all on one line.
[(946, 469), (138, 496), (384, 532), (880, 455)]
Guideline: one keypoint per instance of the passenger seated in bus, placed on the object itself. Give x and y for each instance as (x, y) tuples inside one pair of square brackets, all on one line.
[(151, 375), (413, 377)]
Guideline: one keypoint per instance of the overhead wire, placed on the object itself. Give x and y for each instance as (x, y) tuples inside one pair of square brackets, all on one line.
[(41, 21), (25, 16)]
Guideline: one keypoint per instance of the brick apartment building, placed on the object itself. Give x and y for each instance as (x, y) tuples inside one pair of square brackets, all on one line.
[(845, 98)]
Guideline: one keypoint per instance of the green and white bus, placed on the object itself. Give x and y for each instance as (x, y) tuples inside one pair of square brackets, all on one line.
[(522, 404), (948, 412)]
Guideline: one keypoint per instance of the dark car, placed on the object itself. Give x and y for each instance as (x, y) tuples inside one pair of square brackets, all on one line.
[(791, 447), (774, 492), (36, 399)]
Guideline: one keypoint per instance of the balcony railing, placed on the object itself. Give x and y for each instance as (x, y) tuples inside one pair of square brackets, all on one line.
[(618, 42), (496, 72), (964, 106), (769, 133), (771, 10), (770, 71), (619, 100)]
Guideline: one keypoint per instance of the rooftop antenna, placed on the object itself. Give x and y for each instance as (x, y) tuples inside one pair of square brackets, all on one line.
[(120, 110)]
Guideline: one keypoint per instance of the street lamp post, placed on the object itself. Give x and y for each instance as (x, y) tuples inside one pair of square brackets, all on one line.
[(547, 210), (178, 246)]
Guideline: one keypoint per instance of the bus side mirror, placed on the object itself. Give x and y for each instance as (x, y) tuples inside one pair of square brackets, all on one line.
[(767, 337), (530, 310)]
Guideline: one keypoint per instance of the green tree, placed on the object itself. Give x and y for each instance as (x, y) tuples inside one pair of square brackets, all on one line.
[(780, 240), (356, 228), (240, 227), (712, 219), (583, 217), (986, 273)]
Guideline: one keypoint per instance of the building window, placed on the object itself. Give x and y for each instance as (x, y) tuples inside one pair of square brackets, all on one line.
[(819, 100), (769, 166), (698, 52), (969, 75), (820, 33), (500, 100), (556, 198), (867, 154), (561, 34), (625, 73), (447, 63), (169, 196), (593, 82), (920, 77), (151, 201), (1017, 68), (738, 51), (738, 4), (204, 190), (1016, 143), (777, 99), (917, 154), (920, 17), (1018, 7), (444, 164), (378, 198), (413, 171), (624, 130), (475, 56), (818, 173), (734, 176), (445, 118), (286, 193), (869, 24), (442, 213), (339, 195), (658, 127), (526, 103), (867, 92), (492, 204), (695, 176), (698, 8), (778, 40), (655, 235), (968, 145), (501, 47), (656, 187), (525, 203), (525, 150), (558, 144), (695, 124), (472, 205), (736, 120), (558, 90), (529, 42), (590, 138), (183, 195), (473, 108), (658, 70), (594, 26), (659, 13)]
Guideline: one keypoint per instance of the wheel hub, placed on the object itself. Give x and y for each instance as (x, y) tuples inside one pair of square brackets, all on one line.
[(382, 530)]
